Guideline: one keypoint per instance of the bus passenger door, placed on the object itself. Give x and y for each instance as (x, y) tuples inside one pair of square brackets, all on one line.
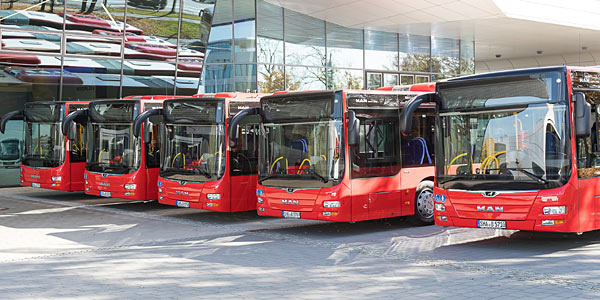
[(588, 181), (375, 167), (243, 166)]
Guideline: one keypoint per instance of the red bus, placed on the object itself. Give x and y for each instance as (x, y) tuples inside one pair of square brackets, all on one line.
[(198, 168), (339, 156), (118, 164), (49, 160), (518, 150)]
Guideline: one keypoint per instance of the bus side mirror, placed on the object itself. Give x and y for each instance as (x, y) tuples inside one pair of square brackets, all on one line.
[(353, 128), (143, 119), (147, 137), (406, 114), (235, 122), (13, 115), (69, 124), (72, 131), (583, 116)]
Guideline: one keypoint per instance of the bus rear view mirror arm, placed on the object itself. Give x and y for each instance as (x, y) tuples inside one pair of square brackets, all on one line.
[(13, 115), (237, 119), (411, 106), (68, 126), (583, 116), (141, 119), (353, 128)]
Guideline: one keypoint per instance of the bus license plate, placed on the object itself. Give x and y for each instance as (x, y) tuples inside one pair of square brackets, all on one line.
[(491, 224), (104, 194), (182, 204), (37, 185), (291, 214)]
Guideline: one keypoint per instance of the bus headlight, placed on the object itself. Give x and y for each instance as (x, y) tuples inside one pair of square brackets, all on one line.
[(331, 204), (440, 207), (159, 190), (56, 178), (260, 200), (555, 210), (130, 186), (213, 196)]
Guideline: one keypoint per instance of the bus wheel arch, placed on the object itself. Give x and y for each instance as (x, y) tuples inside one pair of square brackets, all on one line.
[(423, 204)]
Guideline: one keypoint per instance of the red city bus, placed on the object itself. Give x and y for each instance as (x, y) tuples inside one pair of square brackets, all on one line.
[(118, 164), (518, 150), (198, 168), (49, 160), (339, 156)]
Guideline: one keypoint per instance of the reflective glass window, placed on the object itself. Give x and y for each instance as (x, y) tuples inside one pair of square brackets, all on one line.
[(344, 46), (219, 49), (304, 40), (414, 53), (467, 57), (218, 78), (306, 78), (345, 79), (269, 35), (272, 78), (245, 78), (444, 55), (381, 50)]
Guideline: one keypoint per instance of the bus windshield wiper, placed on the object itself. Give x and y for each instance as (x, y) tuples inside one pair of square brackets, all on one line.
[(316, 175), (524, 171), (457, 177), (260, 180)]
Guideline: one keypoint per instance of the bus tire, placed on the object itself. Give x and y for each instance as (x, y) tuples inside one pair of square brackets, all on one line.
[(423, 204)]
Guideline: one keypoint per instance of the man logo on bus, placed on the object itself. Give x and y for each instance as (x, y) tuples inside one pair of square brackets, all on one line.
[(483, 208), (290, 202)]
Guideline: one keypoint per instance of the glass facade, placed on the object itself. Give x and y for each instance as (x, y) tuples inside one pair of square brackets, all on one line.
[(257, 46), (86, 49)]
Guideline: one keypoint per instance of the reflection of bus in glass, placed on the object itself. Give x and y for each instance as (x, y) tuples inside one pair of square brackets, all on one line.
[(198, 168), (338, 156), (10, 153), (519, 150), (118, 164), (49, 160)]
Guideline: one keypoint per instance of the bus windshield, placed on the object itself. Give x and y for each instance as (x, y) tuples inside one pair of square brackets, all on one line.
[(303, 145), (44, 145), (194, 152), (524, 144), (112, 148)]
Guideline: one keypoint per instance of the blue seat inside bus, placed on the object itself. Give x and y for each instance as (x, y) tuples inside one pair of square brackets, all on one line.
[(415, 152)]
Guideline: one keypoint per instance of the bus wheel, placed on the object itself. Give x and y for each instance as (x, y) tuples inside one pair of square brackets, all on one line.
[(423, 204)]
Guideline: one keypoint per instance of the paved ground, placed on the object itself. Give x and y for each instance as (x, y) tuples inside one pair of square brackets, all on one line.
[(72, 246)]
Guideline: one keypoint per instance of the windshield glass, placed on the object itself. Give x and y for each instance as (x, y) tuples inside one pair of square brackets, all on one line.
[(112, 148), (44, 145), (513, 148), (194, 152), (10, 149), (309, 152)]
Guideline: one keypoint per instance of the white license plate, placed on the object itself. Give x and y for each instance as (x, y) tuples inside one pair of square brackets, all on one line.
[(291, 214), (35, 185), (104, 194), (182, 203), (491, 224)]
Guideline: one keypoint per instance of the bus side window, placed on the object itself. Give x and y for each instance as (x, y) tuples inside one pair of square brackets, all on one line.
[(417, 147), (378, 152), (243, 159), (153, 147), (77, 152), (588, 155)]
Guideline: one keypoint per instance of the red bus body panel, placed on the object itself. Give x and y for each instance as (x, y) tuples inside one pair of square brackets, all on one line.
[(523, 210), (360, 198), (237, 193), (71, 174)]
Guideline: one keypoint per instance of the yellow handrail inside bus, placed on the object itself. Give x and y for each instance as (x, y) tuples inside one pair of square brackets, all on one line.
[(302, 163), (173, 162), (324, 157), (81, 133), (273, 165), (99, 154), (453, 160)]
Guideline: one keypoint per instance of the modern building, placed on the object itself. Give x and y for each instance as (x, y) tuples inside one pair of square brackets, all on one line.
[(83, 50)]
